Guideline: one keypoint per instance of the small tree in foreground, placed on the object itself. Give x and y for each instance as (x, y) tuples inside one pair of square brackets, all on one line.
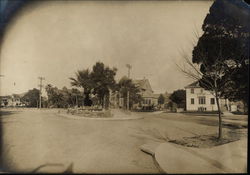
[(211, 79)]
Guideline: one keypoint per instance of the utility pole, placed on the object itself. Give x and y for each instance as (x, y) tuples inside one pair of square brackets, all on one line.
[(129, 67), (40, 94)]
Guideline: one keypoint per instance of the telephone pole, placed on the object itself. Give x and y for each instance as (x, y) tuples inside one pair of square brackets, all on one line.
[(40, 94), (129, 67)]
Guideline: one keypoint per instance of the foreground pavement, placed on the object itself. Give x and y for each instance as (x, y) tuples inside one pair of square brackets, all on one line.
[(43, 141)]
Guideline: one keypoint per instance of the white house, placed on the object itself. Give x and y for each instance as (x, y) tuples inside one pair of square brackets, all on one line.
[(199, 99)]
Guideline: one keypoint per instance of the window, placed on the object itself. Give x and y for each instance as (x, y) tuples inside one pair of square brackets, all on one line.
[(149, 101), (202, 100), (201, 90), (192, 91), (192, 101), (212, 101)]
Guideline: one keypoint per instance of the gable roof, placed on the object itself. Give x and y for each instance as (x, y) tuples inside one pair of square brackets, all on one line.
[(143, 84), (156, 95), (193, 85)]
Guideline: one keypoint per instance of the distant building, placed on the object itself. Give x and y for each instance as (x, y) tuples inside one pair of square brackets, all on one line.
[(148, 96), (199, 99), (11, 101)]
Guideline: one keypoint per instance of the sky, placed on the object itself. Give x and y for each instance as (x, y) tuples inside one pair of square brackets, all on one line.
[(54, 39)]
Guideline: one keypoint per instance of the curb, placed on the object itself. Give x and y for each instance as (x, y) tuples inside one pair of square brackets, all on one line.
[(150, 149), (174, 159), (182, 161), (88, 118)]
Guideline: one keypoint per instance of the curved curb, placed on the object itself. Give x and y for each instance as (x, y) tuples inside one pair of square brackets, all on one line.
[(150, 149), (183, 160), (88, 118)]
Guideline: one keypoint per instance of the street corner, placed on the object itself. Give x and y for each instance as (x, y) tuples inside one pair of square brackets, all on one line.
[(173, 158), (177, 159), (150, 148)]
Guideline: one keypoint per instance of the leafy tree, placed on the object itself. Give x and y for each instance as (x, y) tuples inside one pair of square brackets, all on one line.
[(124, 85), (64, 97), (31, 98), (56, 97), (226, 40), (222, 53), (103, 81), (44, 102), (179, 97), (98, 82), (161, 99)]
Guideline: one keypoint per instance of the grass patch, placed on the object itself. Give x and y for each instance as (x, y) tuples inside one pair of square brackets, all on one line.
[(90, 114), (208, 141)]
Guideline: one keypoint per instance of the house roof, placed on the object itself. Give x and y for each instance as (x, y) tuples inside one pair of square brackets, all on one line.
[(147, 95), (4, 97), (143, 84), (193, 85)]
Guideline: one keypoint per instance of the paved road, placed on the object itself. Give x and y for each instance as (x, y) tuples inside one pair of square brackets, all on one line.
[(44, 141)]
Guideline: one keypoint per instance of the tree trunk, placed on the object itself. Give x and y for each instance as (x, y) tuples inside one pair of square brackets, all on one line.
[(219, 115)]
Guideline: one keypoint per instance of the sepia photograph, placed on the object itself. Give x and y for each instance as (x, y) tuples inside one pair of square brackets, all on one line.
[(124, 86)]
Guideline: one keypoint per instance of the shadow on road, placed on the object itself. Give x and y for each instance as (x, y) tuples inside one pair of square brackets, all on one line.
[(46, 165), (204, 120), (6, 113), (152, 134), (69, 169)]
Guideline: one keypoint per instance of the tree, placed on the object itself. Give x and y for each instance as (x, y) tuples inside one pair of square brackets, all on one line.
[(31, 98), (100, 81), (76, 97), (103, 79), (84, 80), (124, 85), (161, 99), (63, 98), (221, 57), (179, 97), (226, 38), (56, 97)]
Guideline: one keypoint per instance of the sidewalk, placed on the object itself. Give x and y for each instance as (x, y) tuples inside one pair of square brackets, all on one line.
[(238, 123), (228, 158), (172, 158)]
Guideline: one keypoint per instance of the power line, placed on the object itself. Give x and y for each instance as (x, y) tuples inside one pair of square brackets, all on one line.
[(129, 67), (40, 94)]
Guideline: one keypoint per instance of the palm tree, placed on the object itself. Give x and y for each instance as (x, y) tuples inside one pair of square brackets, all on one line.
[(83, 80)]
